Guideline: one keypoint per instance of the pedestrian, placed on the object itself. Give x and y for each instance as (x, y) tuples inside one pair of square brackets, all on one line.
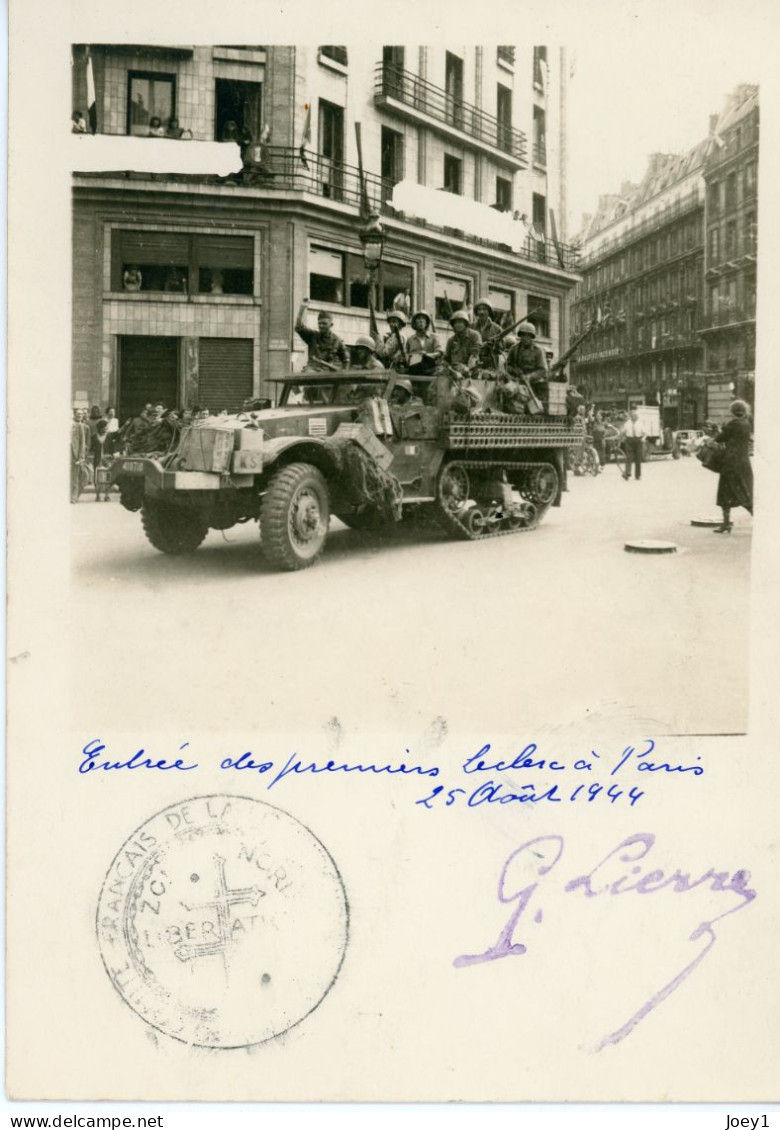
[(323, 344), (735, 482), (598, 431), (99, 449), (78, 454), (633, 441)]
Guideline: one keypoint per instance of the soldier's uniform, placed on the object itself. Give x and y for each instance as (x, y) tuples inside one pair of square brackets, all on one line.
[(461, 348), (526, 357), (326, 346)]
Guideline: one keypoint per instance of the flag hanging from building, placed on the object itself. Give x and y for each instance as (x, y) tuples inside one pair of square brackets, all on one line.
[(306, 137)]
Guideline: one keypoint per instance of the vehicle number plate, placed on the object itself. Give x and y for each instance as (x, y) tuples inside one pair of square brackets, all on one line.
[(133, 465)]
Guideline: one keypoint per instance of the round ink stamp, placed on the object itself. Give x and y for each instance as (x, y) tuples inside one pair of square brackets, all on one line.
[(223, 921)]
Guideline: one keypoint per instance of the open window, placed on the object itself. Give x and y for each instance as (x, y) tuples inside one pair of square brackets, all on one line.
[(237, 104)]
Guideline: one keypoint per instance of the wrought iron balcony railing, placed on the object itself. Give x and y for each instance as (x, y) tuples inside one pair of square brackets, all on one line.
[(728, 315), (394, 82), (634, 231)]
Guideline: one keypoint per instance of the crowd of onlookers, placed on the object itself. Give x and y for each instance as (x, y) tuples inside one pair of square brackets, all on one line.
[(97, 436)]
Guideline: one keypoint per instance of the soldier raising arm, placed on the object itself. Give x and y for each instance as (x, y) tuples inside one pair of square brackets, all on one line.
[(323, 344)]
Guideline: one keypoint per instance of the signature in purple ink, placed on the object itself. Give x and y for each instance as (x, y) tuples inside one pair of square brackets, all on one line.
[(548, 851)]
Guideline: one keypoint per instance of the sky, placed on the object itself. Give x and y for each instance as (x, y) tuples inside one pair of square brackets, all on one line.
[(650, 88)]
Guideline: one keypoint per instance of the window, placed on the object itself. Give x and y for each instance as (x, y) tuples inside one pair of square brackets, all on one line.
[(506, 54), (503, 194), (182, 263), (714, 197), (751, 233), (714, 246), (337, 54), (453, 174), (539, 313), (504, 116), (392, 156), (540, 136), (714, 299), (450, 294), (453, 82), (237, 103), (539, 213), (503, 303), (731, 190), (149, 95), (540, 67), (341, 278), (731, 239), (331, 139), (393, 71)]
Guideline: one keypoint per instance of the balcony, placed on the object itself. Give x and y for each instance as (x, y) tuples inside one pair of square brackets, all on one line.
[(634, 231), (421, 102), (283, 171), (734, 316)]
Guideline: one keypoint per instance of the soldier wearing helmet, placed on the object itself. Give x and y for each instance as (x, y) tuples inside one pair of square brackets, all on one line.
[(393, 350), (462, 350), (364, 355), (422, 348), (323, 344), (403, 396), (526, 359), (485, 326)]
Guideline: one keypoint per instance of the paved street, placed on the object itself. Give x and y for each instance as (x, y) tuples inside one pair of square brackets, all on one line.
[(549, 629)]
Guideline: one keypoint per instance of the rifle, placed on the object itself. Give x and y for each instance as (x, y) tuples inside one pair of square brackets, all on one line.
[(561, 363)]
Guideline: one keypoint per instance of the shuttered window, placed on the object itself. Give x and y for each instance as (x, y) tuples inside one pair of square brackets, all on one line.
[(182, 262), (224, 373)]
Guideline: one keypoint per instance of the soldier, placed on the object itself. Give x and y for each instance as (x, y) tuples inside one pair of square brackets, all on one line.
[(462, 350), (403, 396), (392, 351), (364, 355), (422, 348), (526, 359), (323, 344), (485, 326)]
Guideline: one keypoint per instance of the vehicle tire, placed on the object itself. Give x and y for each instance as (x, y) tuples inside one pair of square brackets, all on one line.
[(294, 517), (172, 529), (131, 494)]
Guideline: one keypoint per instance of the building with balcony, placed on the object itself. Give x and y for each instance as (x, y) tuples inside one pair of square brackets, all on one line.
[(642, 286), (186, 286), (673, 311), (730, 251)]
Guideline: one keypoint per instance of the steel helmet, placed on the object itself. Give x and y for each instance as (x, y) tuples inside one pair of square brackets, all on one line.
[(460, 315), (526, 328), (399, 314), (365, 343), (403, 383), (422, 314), (484, 302)]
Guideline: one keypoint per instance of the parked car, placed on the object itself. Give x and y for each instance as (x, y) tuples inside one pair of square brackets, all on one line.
[(690, 440)]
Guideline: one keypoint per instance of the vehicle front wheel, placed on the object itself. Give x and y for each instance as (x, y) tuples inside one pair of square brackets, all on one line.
[(172, 529), (294, 517)]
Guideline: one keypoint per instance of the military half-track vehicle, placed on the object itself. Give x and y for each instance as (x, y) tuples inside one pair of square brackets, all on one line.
[(337, 444)]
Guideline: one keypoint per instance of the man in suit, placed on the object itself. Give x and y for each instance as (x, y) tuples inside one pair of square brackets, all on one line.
[(633, 441)]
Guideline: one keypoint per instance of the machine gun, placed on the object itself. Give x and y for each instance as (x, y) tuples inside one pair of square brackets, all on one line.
[(492, 347), (561, 363)]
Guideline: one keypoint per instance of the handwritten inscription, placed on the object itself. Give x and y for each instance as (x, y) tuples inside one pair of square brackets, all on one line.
[(543, 856), (484, 778)]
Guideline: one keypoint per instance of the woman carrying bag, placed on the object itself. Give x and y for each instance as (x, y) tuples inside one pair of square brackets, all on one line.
[(730, 458)]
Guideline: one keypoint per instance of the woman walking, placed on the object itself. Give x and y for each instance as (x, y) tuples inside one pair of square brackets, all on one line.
[(735, 484)]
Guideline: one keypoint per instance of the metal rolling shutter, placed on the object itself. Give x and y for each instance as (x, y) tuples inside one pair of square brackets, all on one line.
[(224, 372), (149, 373)]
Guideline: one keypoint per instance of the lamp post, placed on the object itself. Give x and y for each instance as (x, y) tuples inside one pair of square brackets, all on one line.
[(372, 238)]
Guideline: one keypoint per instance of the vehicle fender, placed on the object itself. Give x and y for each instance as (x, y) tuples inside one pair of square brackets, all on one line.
[(302, 449)]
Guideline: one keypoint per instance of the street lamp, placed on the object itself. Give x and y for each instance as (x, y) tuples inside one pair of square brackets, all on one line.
[(372, 238)]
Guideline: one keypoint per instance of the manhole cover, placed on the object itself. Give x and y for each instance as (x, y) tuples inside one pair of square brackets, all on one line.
[(650, 546), (708, 522)]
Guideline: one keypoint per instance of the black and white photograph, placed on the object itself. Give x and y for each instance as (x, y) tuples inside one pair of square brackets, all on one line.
[(393, 700), (383, 338)]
